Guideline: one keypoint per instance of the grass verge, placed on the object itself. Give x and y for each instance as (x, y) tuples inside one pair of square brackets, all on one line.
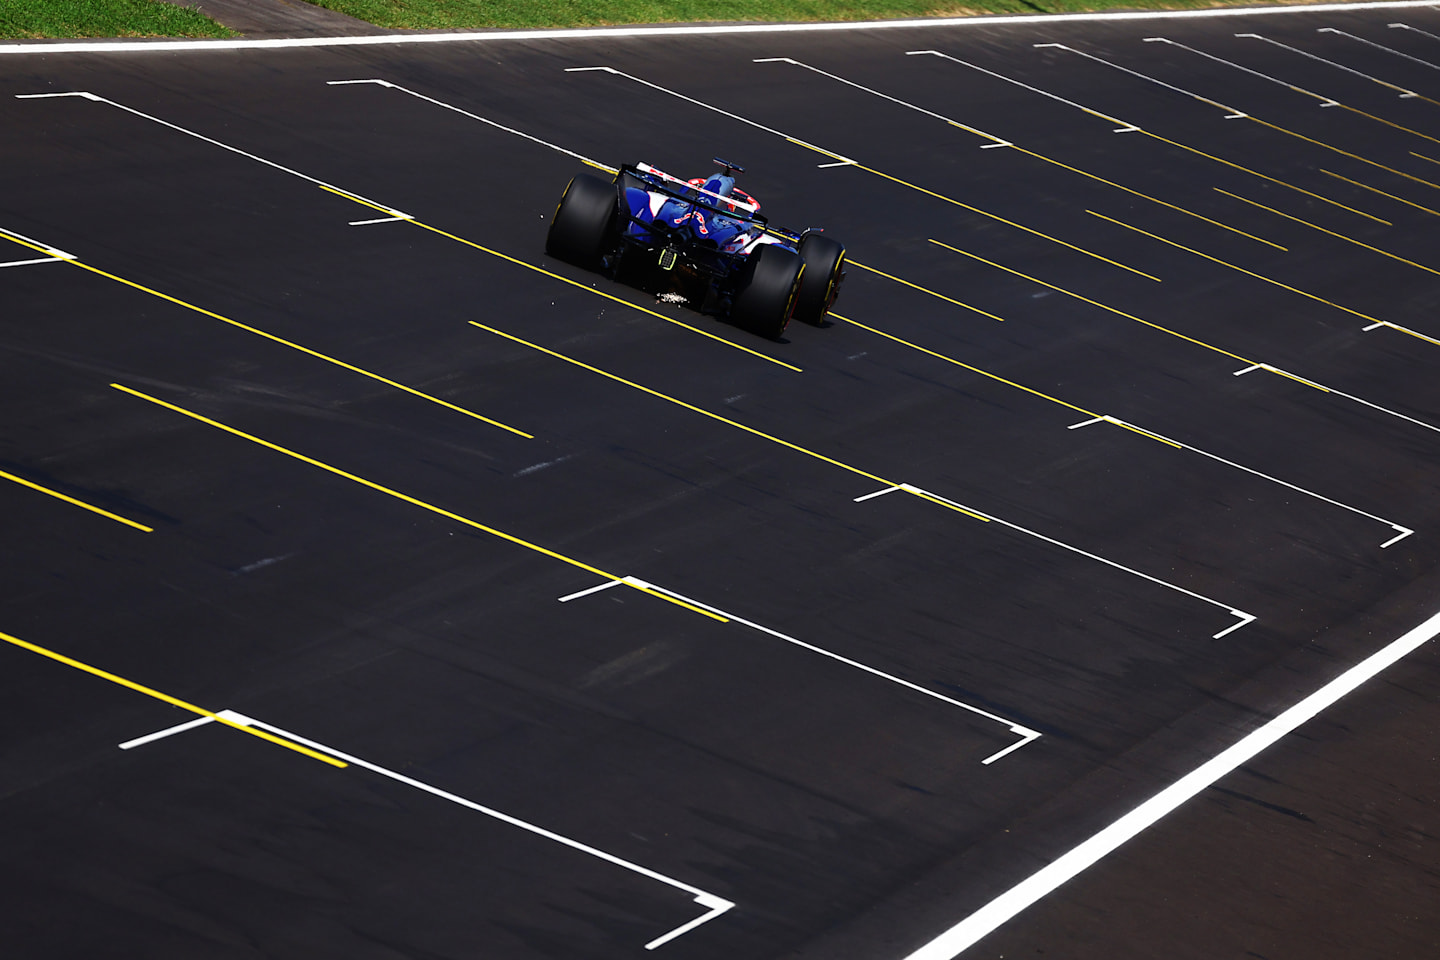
[(36, 19), (472, 14)]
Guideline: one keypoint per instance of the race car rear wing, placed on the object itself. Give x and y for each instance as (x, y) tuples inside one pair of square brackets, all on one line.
[(682, 185)]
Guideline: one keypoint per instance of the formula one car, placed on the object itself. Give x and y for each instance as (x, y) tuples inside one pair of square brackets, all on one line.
[(702, 241)]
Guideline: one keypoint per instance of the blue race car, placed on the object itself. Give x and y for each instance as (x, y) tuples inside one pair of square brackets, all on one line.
[(700, 241)]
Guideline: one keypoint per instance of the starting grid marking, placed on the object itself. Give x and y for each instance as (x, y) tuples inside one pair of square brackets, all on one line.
[(1404, 531), (1246, 618), (1005, 907), (714, 905), (1026, 734)]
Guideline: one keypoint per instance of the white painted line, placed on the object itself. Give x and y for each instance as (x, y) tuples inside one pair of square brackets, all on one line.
[(475, 116), (589, 590), (57, 254), (605, 33), (167, 732), (1124, 127), (1374, 326), (47, 96), (26, 263), (990, 917), (1341, 393), (1253, 366), (1263, 76), (1084, 423), (1244, 617), (700, 103), (842, 163), (1026, 735), (1276, 370), (1423, 63), (1014, 727), (1414, 333), (877, 493), (225, 146), (997, 141), (714, 905), (366, 223), (1233, 114), (1285, 46), (1264, 476), (1406, 26), (1404, 532)]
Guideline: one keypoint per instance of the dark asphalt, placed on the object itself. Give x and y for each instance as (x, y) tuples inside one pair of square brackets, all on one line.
[(845, 815)]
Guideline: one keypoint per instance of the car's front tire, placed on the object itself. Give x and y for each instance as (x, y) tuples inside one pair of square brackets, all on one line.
[(581, 230), (824, 269), (767, 290)]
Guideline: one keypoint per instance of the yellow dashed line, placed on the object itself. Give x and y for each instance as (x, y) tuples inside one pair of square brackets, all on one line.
[(79, 503), (1102, 306), (917, 286), (408, 499), (289, 343), (681, 403), (1249, 273), (1366, 186), (1332, 233), (1146, 196)]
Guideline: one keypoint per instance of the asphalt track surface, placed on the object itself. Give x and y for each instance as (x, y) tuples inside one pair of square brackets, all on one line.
[(323, 552)]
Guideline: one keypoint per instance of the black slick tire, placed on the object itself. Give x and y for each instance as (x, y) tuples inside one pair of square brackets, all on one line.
[(766, 292), (580, 231), (824, 269)]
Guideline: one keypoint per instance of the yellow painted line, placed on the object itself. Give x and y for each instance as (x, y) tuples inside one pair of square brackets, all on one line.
[(996, 217), (291, 344), (1423, 157), (573, 283), (1144, 433), (1346, 153), (811, 146), (1192, 213), (1250, 273), (1331, 232), (945, 503), (1257, 173), (1291, 376), (958, 363), (405, 497), (1366, 186), (79, 503), (979, 133), (173, 701), (1390, 123), (1097, 303), (688, 406), (917, 286), (1414, 333)]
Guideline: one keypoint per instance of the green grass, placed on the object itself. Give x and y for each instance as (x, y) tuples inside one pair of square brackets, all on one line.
[(34, 19), (469, 14)]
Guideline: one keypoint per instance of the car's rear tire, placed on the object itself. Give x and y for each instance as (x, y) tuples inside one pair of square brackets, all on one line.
[(766, 292), (581, 230), (824, 269)]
